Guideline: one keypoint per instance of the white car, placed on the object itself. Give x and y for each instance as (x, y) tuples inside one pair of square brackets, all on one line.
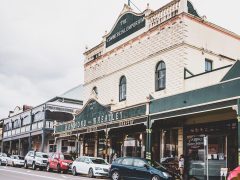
[(15, 160), (3, 158), (91, 166)]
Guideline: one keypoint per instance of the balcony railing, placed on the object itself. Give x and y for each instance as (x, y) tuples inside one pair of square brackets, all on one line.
[(35, 126)]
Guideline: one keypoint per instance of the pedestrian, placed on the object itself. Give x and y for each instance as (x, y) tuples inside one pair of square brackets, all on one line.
[(181, 165)]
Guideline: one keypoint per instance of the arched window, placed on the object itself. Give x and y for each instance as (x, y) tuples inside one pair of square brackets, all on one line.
[(122, 88), (95, 90), (160, 76)]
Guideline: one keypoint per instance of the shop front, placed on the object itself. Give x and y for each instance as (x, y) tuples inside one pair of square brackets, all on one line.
[(108, 134), (210, 147)]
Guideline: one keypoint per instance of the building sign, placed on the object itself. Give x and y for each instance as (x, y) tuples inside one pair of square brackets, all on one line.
[(94, 114), (127, 25), (196, 142)]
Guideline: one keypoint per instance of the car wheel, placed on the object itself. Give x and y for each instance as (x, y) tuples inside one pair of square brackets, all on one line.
[(74, 171), (58, 168), (0, 162), (90, 173), (34, 166), (25, 165), (155, 177), (48, 168), (115, 175)]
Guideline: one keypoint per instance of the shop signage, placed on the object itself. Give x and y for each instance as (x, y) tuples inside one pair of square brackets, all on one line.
[(95, 114), (128, 24), (196, 142)]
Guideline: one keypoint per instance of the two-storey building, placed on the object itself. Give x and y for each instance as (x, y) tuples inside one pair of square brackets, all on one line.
[(160, 84), (32, 128)]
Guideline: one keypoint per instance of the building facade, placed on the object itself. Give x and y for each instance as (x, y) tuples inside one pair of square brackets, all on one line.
[(160, 84), (32, 128)]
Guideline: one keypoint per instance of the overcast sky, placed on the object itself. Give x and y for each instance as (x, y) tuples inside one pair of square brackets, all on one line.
[(42, 41)]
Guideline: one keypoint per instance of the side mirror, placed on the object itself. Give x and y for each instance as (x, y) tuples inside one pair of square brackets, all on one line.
[(146, 166)]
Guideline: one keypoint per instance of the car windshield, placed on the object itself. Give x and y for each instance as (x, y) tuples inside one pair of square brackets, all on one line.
[(98, 161), (42, 155), (66, 157), (20, 157), (156, 165)]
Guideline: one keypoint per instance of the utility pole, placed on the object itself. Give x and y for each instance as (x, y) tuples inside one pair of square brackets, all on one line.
[(129, 3)]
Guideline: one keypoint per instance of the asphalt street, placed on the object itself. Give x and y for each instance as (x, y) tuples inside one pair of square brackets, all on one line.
[(10, 173)]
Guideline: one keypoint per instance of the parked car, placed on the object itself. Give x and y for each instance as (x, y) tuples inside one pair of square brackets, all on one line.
[(234, 174), (138, 168), (91, 166), (36, 160), (3, 159), (59, 162), (15, 160)]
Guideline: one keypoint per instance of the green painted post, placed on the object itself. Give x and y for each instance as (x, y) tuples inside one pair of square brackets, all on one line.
[(148, 139), (238, 118)]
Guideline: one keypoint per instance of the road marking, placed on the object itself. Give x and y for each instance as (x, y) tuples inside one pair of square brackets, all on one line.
[(31, 174)]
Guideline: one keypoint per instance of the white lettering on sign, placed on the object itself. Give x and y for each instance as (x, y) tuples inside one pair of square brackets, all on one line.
[(125, 123), (123, 22), (126, 29)]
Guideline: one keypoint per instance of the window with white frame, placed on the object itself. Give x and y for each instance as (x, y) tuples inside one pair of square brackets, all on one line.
[(122, 88), (160, 76)]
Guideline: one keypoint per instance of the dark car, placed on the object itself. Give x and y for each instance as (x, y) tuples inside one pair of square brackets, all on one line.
[(138, 168)]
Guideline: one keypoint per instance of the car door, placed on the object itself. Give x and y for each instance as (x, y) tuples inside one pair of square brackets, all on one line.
[(126, 168), (30, 158), (140, 171), (86, 165), (55, 160), (80, 164)]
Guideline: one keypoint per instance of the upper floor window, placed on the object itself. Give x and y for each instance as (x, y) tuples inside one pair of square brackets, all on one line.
[(122, 88), (160, 76), (208, 65)]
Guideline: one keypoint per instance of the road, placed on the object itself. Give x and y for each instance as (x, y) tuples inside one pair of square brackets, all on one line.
[(10, 173)]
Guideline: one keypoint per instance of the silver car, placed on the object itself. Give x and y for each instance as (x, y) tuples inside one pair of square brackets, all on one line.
[(15, 160), (3, 158)]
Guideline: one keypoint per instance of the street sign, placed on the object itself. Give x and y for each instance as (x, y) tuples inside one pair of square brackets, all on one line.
[(224, 172)]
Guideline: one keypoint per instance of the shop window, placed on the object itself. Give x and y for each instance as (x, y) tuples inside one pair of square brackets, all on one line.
[(64, 146), (170, 141), (160, 76), (208, 65), (52, 146), (122, 88)]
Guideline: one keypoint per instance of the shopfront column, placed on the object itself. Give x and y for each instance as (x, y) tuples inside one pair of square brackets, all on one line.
[(19, 146), (29, 143), (106, 144), (149, 139), (95, 144), (43, 141), (2, 146), (10, 148), (238, 120)]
